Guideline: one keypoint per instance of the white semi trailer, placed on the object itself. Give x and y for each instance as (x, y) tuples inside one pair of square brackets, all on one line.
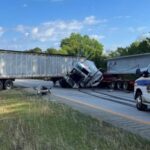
[(123, 71), (24, 65), (69, 70)]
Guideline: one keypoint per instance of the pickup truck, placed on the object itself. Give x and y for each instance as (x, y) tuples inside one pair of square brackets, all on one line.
[(142, 91)]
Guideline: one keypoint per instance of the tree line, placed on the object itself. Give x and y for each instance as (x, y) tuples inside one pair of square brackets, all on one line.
[(137, 47), (83, 45)]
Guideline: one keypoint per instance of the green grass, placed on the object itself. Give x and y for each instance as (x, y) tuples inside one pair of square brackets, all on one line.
[(28, 122)]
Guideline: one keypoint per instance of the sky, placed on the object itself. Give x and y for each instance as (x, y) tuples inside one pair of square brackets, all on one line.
[(25, 24)]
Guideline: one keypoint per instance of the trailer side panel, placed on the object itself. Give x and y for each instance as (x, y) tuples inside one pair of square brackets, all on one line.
[(24, 65), (128, 64)]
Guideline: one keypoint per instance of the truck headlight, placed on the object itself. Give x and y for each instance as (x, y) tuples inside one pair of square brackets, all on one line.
[(148, 88)]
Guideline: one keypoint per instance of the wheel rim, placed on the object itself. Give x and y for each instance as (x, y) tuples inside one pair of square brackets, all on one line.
[(119, 85), (112, 85), (125, 86), (139, 102), (139, 99), (8, 85)]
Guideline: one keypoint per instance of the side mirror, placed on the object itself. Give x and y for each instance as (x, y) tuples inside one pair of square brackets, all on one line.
[(145, 74)]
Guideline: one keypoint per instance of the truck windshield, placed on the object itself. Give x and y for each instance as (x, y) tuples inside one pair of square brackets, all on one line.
[(83, 68), (91, 66)]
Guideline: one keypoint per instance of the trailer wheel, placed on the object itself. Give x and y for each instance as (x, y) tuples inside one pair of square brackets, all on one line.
[(112, 85), (119, 85), (125, 86), (139, 105), (8, 84), (63, 83), (1, 85)]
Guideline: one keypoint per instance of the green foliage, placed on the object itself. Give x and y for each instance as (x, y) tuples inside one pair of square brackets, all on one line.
[(52, 51), (101, 62), (137, 47), (35, 50), (85, 46)]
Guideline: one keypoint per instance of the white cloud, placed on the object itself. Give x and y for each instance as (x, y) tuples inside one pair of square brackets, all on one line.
[(122, 17), (97, 37), (1, 31), (91, 20), (56, 30), (137, 29), (143, 36), (20, 28), (23, 29), (48, 34), (147, 34)]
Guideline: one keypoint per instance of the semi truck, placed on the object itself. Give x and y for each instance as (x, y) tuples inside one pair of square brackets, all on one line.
[(84, 74), (123, 71), (26, 65)]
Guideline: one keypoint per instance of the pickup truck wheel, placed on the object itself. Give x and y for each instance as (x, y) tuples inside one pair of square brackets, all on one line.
[(1, 85), (139, 105), (8, 84)]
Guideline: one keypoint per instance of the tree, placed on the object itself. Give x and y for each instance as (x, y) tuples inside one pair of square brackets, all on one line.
[(133, 48), (35, 50), (144, 46), (137, 47), (85, 46), (52, 51)]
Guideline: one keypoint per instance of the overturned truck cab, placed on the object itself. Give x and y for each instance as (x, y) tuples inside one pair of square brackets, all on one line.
[(84, 74)]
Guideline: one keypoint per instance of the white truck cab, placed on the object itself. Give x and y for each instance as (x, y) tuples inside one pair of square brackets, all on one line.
[(142, 90)]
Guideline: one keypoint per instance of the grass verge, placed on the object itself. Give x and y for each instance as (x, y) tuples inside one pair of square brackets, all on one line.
[(28, 122)]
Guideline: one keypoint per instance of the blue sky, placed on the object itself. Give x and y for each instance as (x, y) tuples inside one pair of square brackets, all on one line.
[(26, 24)]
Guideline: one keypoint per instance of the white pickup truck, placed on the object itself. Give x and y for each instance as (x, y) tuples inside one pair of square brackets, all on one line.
[(142, 91)]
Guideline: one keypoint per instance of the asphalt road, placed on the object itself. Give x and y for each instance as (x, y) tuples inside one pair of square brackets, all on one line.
[(115, 107), (29, 83)]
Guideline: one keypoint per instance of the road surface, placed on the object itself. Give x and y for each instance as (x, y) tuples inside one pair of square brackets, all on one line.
[(115, 107)]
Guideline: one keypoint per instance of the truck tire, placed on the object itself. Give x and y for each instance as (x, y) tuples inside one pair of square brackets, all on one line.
[(119, 85), (139, 105), (1, 85), (112, 85), (63, 83), (8, 84), (125, 86)]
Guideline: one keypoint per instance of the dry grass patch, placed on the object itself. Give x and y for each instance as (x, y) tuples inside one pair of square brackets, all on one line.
[(29, 122)]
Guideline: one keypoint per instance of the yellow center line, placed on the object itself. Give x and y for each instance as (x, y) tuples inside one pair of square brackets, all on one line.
[(104, 109)]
